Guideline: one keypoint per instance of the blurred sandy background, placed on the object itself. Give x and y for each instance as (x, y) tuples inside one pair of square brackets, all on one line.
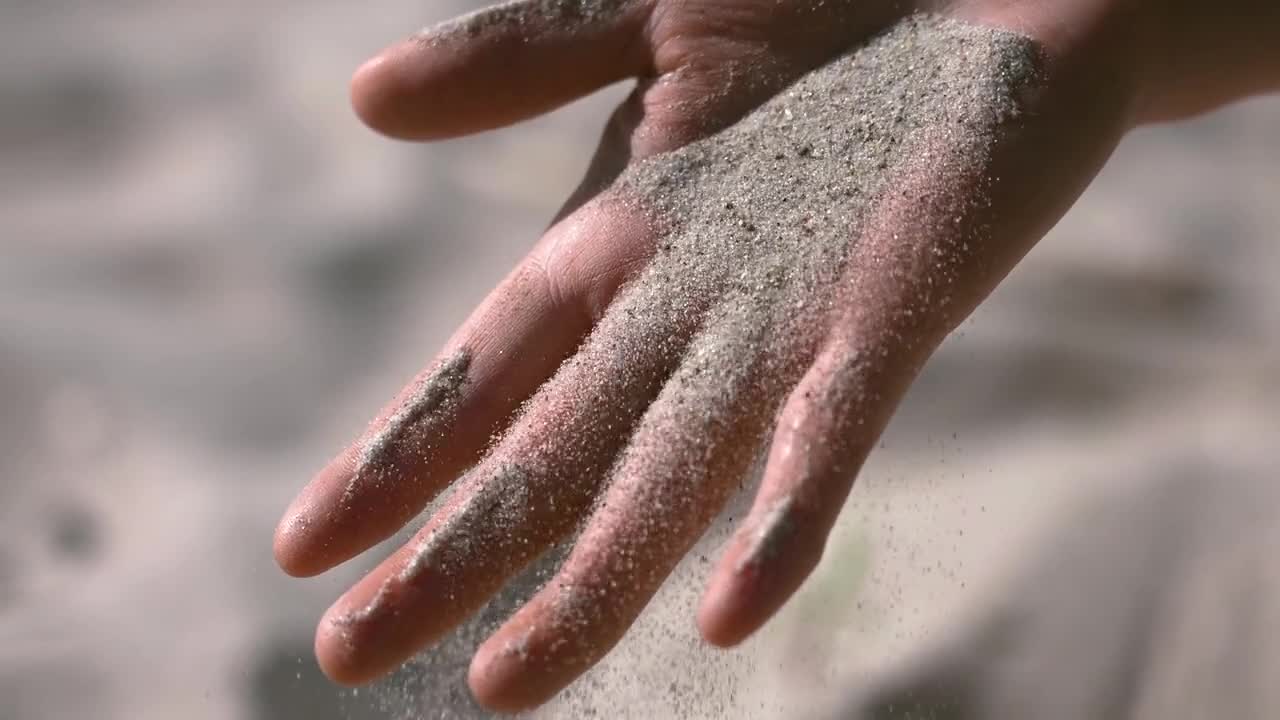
[(212, 275)]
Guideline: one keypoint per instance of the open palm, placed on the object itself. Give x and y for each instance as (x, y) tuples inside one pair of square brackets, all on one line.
[(753, 264)]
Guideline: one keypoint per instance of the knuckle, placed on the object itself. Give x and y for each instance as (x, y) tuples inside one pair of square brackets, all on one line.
[(587, 264)]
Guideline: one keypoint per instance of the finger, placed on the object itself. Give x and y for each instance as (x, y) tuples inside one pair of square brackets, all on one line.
[(896, 300), (441, 422), (829, 423), (693, 446), (529, 492), (500, 65), (927, 255)]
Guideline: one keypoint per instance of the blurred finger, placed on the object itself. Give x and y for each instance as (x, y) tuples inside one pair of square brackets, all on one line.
[(500, 65), (441, 422)]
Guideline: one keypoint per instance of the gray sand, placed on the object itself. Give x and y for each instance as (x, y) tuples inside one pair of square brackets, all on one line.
[(567, 15), (421, 421), (774, 527), (763, 220)]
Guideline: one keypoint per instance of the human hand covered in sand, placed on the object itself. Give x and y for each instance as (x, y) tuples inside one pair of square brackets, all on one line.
[(760, 259)]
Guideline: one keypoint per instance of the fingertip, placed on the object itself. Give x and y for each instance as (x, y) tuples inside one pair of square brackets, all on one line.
[(497, 679), (736, 603), (329, 522), (531, 658), (378, 90), (361, 637), (488, 691), (365, 83), (766, 564), (716, 616), (715, 631), (289, 546), (336, 654)]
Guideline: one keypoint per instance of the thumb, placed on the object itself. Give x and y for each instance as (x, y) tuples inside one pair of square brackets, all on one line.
[(500, 65)]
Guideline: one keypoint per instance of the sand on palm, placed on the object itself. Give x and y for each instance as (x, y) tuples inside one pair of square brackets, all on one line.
[(758, 225)]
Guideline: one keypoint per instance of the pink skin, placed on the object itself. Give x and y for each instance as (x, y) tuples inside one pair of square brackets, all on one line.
[(1110, 65)]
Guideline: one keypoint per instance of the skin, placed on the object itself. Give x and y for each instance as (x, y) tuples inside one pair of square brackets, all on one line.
[(1109, 66)]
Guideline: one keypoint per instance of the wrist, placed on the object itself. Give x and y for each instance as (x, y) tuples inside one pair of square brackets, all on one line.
[(1099, 45), (1163, 59)]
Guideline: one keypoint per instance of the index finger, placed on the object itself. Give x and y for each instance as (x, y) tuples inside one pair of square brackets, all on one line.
[(440, 423)]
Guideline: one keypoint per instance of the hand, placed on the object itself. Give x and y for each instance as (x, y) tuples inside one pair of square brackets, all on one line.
[(644, 353)]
